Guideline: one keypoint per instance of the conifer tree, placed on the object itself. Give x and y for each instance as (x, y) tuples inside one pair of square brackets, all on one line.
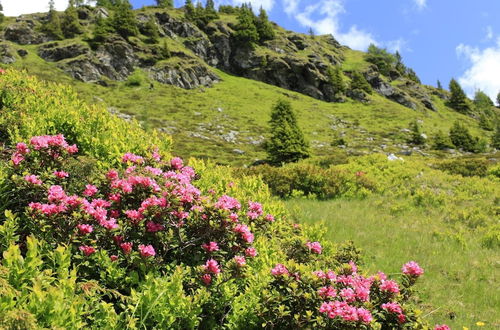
[(416, 134), (70, 24), (311, 32), (189, 10), (210, 13), (441, 141), (165, 51), (102, 30), (461, 138), (358, 81), (439, 86), (336, 81), (458, 100), (246, 31), (151, 30), (498, 100), (165, 3), (495, 139), (123, 20), (2, 16), (264, 26), (287, 143), (52, 26)]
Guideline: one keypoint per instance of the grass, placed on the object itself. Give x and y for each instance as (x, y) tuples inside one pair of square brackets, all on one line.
[(460, 283)]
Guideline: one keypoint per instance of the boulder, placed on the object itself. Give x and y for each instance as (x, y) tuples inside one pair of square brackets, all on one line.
[(24, 34), (387, 90), (7, 55), (54, 52), (187, 76)]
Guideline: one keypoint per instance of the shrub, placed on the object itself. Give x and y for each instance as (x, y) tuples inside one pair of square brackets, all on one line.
[(461, 138), (466, 167), (135, 79), (358, 81)]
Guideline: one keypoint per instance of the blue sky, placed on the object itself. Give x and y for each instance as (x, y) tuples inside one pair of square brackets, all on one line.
[(440, 39)]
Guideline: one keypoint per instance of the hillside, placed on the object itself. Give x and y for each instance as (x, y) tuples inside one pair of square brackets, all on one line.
[(204, 94)]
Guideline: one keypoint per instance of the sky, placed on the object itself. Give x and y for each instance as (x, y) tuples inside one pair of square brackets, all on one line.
[(439, 39)]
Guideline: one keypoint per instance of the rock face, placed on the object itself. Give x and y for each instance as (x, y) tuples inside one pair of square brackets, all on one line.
[(187, 77), (23, 33), (6, 54), (54, 52), (387, 90)]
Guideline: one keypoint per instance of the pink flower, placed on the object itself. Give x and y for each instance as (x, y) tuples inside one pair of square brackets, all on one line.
[(113, 258), (17, 158), (269, 218), (442, 327), (87, 250), (279, 270), (210, 247), (212, 266), (354, 268), (206, 279), (250, 252), (61, 174), (90, 190), (392, 307), (112, 175), (126, 247), (245, 233), (153, 227), (327, 292), (129, 157), (364, 315), (240, 261), (22, 148), (319, 274), (233, 217), (227, 203), (73, 149), (348, 294), (314, 247), (134, 215), (147, 251), (176, 163), (85, 229), (412, 269), (389, 286), (33, 179)]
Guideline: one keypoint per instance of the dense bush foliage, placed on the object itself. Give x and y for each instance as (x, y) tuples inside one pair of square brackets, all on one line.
[(466, 167)]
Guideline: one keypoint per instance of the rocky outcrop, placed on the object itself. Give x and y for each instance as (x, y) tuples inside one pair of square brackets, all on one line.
[(387, 90), (24, 35), (7, 55), (187, 76), (54, 52)]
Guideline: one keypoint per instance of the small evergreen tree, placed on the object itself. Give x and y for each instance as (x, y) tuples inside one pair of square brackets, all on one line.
[(384, 60), (70, 24), (52, 26), (458, 100), (416, 134), (495, 139), (151, 30), (124, 21), (165, 3), (461, 138), (336, 81), (2, 16), (264, 26), (246, 31), (189, 10), (358, 81), (412, 75), (441, 141), (287, 143), (439, 86), (165, 51), (102, 29), (311, 32)]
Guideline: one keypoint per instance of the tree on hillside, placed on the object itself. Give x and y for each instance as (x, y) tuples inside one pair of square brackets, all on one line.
[(495, 139), (123, 20), (336, 81), (458, 101), (165, 51), (311, 32), (482, 101), (412, 75), (264, 26), (358, 81), (2, 16), (70, 24), (102, 29), (498, 100), (52, 26), (210, 13), (151, 30), (189, 10), (287, 143), (439, 86), (384, 60), (246, 31), (416, 134), (441, 141), (461, 138), (165, 3), (483, 106)]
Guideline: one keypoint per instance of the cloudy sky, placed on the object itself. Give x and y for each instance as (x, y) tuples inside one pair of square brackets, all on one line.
[(440, 39)]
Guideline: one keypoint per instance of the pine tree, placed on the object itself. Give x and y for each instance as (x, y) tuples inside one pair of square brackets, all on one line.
[(52, 6), (70, 24), (461, 138), (495, 139), (441, 141), (165, 51), (439, 86), (416, 134), (458, 100), (165, 3), (151, 30), (52, 26), (358, 81), (124, 21), (264, 26), (2, 16), (336, 81), (210, 13), (311, 32), (246, 31), (287, 143), (189, 10), (412, 75), (102, 30)]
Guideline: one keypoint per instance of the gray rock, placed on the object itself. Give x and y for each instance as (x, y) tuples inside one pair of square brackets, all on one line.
[(187, 77), (54, 52), (22, 52), (24, 34), (238, 151), (7, 55)]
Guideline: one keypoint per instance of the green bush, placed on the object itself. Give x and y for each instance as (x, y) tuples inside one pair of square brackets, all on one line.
[(466, 166)]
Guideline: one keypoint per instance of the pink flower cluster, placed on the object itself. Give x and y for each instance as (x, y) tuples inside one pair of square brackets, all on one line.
[(314, 247), (412, 269), (53, 145), (442, 327), (346, 312), (279, 270), (395, 308)]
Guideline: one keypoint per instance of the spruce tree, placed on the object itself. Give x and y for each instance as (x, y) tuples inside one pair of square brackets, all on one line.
[(2, 16), (165, 3), (287, 143), (52, 26), (439, 86), (336, 81), (461, 138), (124, 21), (246, 31), (498, 100), (151, 30), (416, 134), (189, 10), (495, 139), (165, 51), (441, 141), (102, 29), (458, 101), (70, 24), (264, 26), (311, 32), (358, 81)]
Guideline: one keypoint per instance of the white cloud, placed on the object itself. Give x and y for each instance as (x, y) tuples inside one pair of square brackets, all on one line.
[(323, 18), (256, 4), (399, 45), (484, 69), (18, 7), (489, 33), (421, 4)]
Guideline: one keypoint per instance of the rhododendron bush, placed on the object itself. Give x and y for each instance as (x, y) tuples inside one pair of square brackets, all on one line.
[(235, 261)]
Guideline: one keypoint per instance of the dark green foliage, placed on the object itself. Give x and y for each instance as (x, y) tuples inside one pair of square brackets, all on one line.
[(2, 16), (165, 51), (439, 86), (246, 31), (210, 13), (441, 141), (165, 3), (189, 10), (264, 26), (384, 60), (52, 26), (124, 21), (412, 75), (416, 134), (151, 30), (482, 101), (358, 81), (458, 100), (70, 24), (336, 81), (461, 138), (498, 99), (483, 106), (287, 143), (311, 32), (102, 30), (466, 167), (495, 139), (228, 9)]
